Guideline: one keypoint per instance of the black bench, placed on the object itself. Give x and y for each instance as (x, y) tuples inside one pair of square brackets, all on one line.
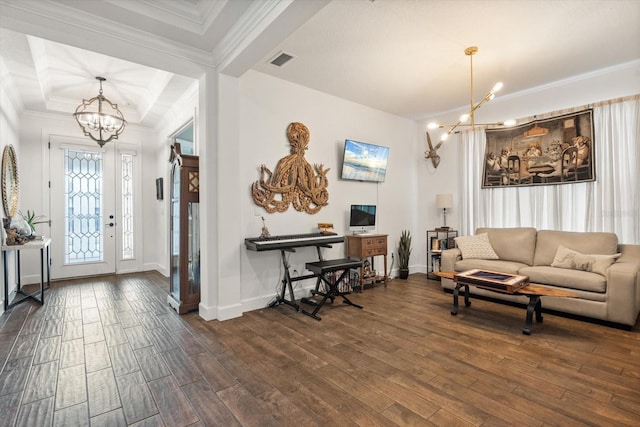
[(322, 270)]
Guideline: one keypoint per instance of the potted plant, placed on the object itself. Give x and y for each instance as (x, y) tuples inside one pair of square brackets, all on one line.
[(404, 252), (32, 219)]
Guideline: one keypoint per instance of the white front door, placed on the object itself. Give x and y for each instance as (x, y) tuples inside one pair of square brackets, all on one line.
[(83, 208)]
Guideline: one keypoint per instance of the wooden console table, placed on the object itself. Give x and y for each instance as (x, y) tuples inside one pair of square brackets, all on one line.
[(21, 295), (368, 245)]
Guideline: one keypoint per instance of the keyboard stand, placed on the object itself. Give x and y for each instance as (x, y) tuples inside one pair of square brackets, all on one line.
[(287, 280), (322, 270)]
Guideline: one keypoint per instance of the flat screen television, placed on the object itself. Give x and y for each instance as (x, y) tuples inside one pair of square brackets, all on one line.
[(362, 218), (364, 162)]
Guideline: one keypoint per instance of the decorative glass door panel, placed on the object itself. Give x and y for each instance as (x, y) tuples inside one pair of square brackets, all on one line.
[(83, 207), (82, 210), (127, 218)]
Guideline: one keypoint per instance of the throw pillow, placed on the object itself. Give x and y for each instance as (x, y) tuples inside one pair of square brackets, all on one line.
[(595, 263), (477, 246)]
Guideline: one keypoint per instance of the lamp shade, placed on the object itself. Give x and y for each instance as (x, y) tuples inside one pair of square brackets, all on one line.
[(444, 201)]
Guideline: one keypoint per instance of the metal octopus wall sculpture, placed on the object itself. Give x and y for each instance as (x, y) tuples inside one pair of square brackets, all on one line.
[(294, 181)]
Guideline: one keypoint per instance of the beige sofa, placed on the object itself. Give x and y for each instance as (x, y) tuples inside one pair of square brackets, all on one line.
[(613, 297)]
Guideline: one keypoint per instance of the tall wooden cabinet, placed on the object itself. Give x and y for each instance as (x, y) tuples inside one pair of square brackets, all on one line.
[(184, 292)]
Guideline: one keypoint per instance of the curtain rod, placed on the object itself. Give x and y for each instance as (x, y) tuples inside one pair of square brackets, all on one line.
[(580, 108)]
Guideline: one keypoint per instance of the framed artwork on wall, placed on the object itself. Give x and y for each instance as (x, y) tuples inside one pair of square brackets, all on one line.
[(558, 150)]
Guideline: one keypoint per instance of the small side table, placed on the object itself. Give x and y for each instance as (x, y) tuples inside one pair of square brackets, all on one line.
[(21, 295), (363, 246)]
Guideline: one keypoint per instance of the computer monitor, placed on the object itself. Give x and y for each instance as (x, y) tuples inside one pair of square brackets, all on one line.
[(362, 218)]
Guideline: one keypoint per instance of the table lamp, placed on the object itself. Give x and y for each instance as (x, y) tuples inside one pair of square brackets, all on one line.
[(444, 201)]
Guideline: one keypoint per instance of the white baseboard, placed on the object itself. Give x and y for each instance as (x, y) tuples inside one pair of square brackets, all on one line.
[(152, 266)]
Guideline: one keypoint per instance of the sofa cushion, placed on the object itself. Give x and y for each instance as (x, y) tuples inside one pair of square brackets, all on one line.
[(477, 246), (562, 277), (513, 244), (548, 241), (510, 267), (574, 260)]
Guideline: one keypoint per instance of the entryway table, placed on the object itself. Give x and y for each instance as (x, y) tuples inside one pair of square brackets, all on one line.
[(21, 295)]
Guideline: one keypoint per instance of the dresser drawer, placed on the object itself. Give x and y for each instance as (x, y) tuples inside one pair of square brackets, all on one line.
[(375, 242), (380, 242), (375, 251), (366, 246)]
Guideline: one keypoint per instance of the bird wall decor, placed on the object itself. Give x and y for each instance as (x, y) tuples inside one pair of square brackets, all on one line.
[(432, 153)]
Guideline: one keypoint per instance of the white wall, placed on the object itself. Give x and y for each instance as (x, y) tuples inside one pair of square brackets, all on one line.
[(267, 106), (158, 152)]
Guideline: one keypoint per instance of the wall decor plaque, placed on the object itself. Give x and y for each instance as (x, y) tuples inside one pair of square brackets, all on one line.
[(294, 182)]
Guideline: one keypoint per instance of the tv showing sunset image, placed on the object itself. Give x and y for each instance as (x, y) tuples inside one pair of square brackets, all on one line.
[(364, 162)]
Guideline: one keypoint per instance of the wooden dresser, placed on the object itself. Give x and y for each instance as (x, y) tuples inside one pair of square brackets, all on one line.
[(368, 246)]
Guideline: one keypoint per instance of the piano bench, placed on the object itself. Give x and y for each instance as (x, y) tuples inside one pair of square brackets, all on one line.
[(322, 270), (329, 266)]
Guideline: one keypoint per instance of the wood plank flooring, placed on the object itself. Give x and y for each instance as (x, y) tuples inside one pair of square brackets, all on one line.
[(108, 351)]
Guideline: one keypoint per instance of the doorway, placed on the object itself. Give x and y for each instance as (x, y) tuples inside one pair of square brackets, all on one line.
[(92, 198)]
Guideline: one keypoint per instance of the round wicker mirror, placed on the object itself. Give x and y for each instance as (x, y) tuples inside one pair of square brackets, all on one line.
[(10, 184)]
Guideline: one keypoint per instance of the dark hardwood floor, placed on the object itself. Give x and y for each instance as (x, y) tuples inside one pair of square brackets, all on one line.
[(108, 351)]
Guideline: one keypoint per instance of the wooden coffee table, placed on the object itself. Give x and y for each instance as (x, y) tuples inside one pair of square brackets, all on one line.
[(532, 290)]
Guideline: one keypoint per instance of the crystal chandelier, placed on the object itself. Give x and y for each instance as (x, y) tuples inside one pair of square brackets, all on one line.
[(99, 118), (468, 119)]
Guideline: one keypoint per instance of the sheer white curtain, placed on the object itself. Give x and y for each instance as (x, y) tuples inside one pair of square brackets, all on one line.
[(610, 203)]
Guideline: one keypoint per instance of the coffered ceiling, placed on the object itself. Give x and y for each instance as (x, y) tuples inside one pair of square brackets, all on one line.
[(47, 76), (405, 57)]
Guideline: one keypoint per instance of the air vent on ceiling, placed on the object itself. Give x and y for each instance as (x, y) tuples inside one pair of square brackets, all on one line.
[(281, 59)]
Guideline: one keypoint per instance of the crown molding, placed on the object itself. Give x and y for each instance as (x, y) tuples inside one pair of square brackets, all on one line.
[(47, 17), (572, 79), (176, 13), (264, 25), (8, 85), (536, 89)]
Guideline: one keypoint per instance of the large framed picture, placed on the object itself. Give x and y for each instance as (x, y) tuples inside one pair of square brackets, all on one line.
[(558, 150)]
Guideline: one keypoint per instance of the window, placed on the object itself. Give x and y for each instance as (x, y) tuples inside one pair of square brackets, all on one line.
[(127, 207)]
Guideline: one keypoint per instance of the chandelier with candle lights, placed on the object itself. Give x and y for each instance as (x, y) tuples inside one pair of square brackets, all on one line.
[(99, 118)]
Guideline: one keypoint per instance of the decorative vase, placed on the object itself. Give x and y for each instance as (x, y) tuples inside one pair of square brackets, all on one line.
[(404, 274), (21, 226)]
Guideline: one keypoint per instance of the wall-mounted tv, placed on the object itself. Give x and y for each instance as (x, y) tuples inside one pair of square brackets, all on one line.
[(364, 162), (362, 218)]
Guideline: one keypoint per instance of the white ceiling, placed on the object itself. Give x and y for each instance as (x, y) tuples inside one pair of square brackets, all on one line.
[(405, 57)]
